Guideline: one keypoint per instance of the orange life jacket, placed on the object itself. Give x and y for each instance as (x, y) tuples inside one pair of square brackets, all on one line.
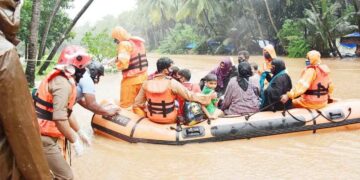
[(43, 101), (318, 91), (138, 62), (160, 101)]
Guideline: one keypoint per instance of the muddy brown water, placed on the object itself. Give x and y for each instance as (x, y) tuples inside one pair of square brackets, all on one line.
[(334, 155)]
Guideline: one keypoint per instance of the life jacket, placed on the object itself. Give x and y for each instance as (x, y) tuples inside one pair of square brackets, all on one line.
[(43, 101), (160, 101), (138, 63), (318, 91)]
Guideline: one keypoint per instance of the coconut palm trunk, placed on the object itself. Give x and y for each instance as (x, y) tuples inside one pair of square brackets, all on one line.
[(62, 38), (270, 17), (33, 38), (256, 20), (46, 31)]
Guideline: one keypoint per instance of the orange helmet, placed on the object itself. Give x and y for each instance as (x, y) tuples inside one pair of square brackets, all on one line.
[(120, 34), (74, 55)]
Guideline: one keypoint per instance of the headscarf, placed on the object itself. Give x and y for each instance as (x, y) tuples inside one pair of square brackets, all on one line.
[(279, 66), (314, 57), (222, 74), (245, 72), (271, 50)]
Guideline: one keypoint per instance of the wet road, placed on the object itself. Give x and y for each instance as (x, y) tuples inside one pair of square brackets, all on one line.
[(317, 156)]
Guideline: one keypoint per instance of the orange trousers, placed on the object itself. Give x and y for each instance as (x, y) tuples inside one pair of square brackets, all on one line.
[(302, 103), (128, 94)]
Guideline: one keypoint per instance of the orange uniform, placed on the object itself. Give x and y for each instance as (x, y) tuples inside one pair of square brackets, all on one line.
[(44, 104), (267, 64), (131, 59), (159, 94), (314, 86)]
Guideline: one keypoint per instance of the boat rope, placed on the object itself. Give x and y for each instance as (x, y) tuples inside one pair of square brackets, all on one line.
[(331, 120), (247, 116), (315, 126)]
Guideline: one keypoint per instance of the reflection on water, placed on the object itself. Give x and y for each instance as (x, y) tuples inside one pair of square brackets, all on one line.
[(316, 156)]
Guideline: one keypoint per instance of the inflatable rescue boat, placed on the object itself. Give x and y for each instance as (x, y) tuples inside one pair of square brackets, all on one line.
[(341, 115)]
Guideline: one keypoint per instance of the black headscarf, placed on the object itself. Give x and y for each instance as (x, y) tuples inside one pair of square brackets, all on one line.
[(244, 69), (279, 66)]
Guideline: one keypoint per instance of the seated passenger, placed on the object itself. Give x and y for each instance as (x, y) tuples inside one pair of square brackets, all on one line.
[(256, 73), (223, 74), (174, 72), (243, 56), (269, 54), (159, 94), (242, 94), (279, 84), (314, 86), (211, 110), (184, 77)]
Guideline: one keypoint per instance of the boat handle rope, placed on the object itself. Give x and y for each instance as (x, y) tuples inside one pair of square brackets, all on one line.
[(178, 127), (299, 120), (331, 120), (247, 116)]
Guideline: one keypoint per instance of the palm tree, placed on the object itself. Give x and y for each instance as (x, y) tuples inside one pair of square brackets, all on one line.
[(47, 28), (270, 17), (326, 25), (252, 11), (33, 38), (62, 38), (203, 10)]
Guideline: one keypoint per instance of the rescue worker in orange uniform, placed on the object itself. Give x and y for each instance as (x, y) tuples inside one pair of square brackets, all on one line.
[(265, 77), (314, 86), (53, 102), (131, 59), (159, 95), (21, 155), (269, 54)]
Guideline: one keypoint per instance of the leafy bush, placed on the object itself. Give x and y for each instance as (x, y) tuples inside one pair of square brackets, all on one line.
[(100, 45), (178, 39), (291, 35), (298, 48)]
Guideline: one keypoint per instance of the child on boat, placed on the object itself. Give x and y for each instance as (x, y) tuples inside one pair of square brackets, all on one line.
[(211, 110)]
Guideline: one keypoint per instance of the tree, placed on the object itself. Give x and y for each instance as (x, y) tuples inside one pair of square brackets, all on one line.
[(47, 28), (270, 17), (326, 26), (203, 10), (60, 20), (357, 9), (63, 37), (34, 30), (100, 45)]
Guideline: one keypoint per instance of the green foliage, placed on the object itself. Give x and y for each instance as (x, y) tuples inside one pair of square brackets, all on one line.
[(60, 21), (298, 48), (100, 45), (178, 38), (325, 25), (292, 37)]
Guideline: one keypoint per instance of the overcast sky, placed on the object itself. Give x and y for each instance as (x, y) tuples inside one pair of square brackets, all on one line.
[(99, 9)]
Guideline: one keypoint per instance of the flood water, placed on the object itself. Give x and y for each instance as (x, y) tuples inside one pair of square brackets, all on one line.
[(333, 155)]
